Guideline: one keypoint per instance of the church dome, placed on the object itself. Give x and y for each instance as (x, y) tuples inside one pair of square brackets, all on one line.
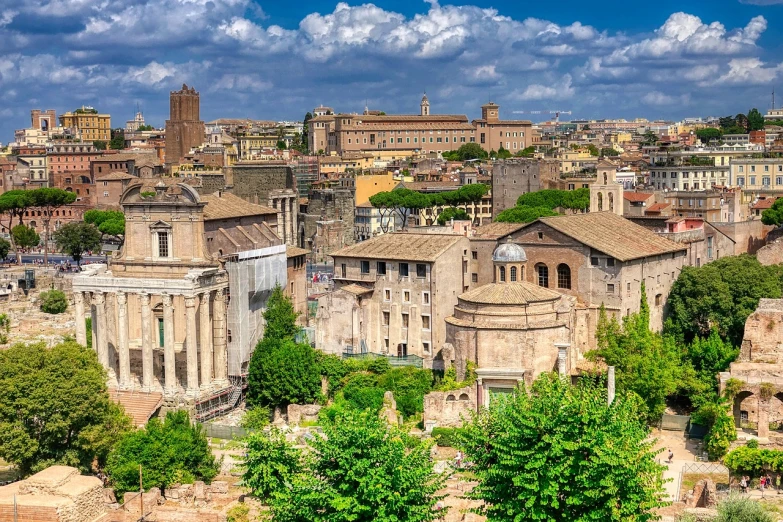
[(509, 253)]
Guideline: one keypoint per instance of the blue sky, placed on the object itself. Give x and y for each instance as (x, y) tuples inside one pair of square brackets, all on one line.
[(277, 60)]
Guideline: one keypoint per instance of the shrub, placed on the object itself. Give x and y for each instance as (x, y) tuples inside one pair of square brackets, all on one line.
[(718, 440), (238, 513), (753, 444), (256, 418), (742, 509), (409, 386), (167, 451), (361, 391), (283, 372), (270, 463), (446, 437), (53, 302)]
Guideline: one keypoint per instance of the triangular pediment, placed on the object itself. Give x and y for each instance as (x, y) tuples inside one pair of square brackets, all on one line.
[(160, 224)]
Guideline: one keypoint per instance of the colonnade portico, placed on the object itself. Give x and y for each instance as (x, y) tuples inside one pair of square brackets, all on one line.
[(151, 328)]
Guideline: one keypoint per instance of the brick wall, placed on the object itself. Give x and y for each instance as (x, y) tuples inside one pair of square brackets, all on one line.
[(254, 181)]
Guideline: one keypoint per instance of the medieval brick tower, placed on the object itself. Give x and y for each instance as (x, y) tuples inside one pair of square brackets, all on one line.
[(184, 129)]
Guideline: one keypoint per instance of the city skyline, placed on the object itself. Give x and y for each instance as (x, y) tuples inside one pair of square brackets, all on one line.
[(278, 62)]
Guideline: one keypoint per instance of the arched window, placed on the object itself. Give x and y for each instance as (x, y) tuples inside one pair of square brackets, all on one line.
[(605, 179), (611, 202), (513, 274), (600, 202), (543, 275), (563, 276), (503, 273)]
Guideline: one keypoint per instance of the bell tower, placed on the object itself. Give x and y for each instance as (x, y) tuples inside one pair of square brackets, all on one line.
[(425, 105)]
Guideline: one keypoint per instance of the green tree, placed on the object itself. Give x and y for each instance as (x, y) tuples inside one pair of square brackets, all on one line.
[(55, 408), (53, 302), (174, 450), (471, 151), (711, 356), (503, 153), (527, 152), (76, 238), (13, 204), (363, 470), (5, 247), (524, 214), (608, 151), (457, 214), (100, 144), (647, 363), (143, 128), (727, 122), (649, 138), (109, 223), (755, 120), (281, 145), (742, 122), (593, 149), (117, 139), (25, 237), (773, 215), (561, 452), (283, 372), (709, 134), (280, 316), (721, 435), (270, 463), (47, 200), (721, 296)]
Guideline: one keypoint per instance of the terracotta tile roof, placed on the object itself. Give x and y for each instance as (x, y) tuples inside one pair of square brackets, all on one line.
[(401, 246), (764, 204), (519, 293), (293, 251), (117, 174), (657, 207), (613, 235), (430, 186), (636, 196), (497, 229), (227, 206), (407, 117)]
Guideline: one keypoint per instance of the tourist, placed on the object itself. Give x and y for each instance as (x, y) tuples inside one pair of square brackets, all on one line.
[(768, 481), (671, 456), (458, 460), (744, 485)]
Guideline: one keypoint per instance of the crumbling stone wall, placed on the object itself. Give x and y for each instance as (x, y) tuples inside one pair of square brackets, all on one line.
[(450, 408), (763, 338), (771, 253), (254, 181)]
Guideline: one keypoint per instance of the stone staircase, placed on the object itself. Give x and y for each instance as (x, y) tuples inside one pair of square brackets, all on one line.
[(140, 406)]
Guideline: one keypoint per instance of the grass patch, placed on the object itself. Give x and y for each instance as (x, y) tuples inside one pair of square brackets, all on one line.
[(689, 480)]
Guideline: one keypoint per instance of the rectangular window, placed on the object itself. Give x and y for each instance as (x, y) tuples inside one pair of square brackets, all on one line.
[(105, 194), (425, 322), (406, 296), (163, 244), (387, 294), (474, 278), (381, 267), (752, 181), (594, 261), (421, 270), (403, 269), (609, 261), (405, 320), (610, 288), (385, 318), (343, 270), (425, 298), (365, 267), (475, 254), (426, 347)]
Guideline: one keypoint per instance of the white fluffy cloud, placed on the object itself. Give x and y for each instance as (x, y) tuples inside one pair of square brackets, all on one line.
[(117, 52)]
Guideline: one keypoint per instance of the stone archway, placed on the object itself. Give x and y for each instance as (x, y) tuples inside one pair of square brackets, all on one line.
[(739, 418)]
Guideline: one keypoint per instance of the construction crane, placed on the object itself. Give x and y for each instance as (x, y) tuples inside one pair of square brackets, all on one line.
[(556, 113)]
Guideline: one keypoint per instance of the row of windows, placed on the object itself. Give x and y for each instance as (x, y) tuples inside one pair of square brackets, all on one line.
[(426, 323), (381, 268), (765, 180), (563, 275), (753, 168)]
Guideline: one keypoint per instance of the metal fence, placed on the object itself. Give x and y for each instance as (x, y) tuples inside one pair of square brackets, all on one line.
[(674, 422), (218, 431), (711, 470), (394, 360)]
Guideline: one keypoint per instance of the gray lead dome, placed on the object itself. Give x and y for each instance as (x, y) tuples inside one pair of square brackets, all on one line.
[(509, 253)]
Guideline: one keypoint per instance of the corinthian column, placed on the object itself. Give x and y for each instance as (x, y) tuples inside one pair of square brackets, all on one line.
[(81, 327), (146, 342), (169, 357), (219, 336), (122, 339), (190, 343), (102, 345), (205, 340)]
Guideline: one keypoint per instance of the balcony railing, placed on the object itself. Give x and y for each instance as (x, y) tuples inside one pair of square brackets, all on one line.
[(394, 360)]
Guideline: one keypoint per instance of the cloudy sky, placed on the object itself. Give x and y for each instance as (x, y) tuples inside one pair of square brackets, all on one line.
[(277, 60)]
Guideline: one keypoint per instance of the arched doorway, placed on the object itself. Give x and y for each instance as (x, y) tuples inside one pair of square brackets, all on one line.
[(741, 414)]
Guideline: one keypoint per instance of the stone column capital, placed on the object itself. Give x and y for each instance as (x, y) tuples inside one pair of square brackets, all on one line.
[(122, 298), (78, 297), (98, 298), (145, 299), (190, 301), (220, 294), (167, 299)]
